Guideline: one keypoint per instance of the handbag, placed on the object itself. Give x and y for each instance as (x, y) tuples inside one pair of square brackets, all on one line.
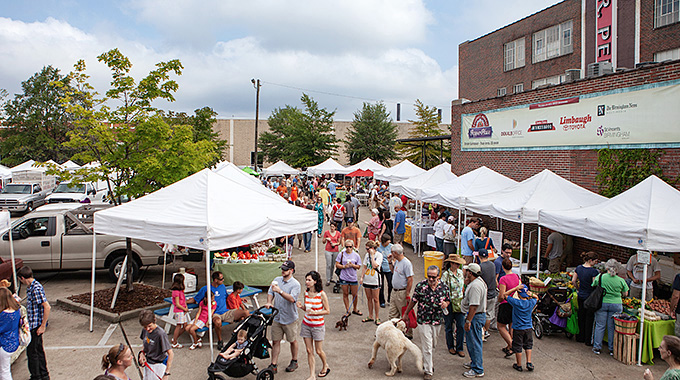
[(24, 333), (338, 270), (412, 322), (594, 300)]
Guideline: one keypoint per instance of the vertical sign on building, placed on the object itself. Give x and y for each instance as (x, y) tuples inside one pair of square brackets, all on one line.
[(605, 30)]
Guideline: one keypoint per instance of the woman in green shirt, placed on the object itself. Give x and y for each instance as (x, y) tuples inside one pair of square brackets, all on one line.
[(615, 287), (452, 277), (669, 349)]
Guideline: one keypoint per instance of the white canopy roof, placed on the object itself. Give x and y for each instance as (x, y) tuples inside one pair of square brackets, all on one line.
[(280, 168), (206, 211), (414, 186), (5, 172), (643, 217), (229, 170), (330, 166), (70, 165), (454, 193), (28, 165), (399, 172), (366, 164), (522, 202)]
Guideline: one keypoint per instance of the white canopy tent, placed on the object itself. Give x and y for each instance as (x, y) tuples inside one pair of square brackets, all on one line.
[(399, 172), (643, 217), (366, 164), (280, 168), (28, 165), (228, 170), (5, 172), (330, 166), (70, 165), (521, 202), (206, 211)]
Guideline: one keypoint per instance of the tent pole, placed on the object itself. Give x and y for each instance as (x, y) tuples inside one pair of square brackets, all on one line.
[(538, 252), (11, 251), (316, 252), (208, 294), (459, 249), (165, 262), (521, 249), (94, 258), (642, 312)]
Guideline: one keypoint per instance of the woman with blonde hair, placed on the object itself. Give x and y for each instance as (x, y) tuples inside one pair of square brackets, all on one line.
[(370, 279), (116, 361), (485, 242), (615, 287), (10, 321)]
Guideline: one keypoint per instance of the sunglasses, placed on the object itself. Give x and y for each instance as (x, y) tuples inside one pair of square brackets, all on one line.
[(432, 277)]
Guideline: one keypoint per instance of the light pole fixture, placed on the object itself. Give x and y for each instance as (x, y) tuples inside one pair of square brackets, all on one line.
[(256, 84)]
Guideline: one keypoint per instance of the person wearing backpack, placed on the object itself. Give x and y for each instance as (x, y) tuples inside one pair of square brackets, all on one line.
[(614, 288), (338, 213)]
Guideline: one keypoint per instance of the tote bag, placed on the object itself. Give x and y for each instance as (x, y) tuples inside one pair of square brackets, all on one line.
[(594, 300)]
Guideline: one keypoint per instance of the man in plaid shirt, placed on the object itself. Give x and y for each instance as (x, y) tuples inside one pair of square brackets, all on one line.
[(38, 310)]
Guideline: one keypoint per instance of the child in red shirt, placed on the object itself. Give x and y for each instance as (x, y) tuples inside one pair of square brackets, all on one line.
[(234, 300)]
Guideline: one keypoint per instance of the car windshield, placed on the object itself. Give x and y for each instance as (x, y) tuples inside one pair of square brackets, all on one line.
[(69, 188), (17, 189)]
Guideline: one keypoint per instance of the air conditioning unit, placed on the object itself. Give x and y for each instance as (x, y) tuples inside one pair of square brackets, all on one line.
[(572, 75), (596, 69)]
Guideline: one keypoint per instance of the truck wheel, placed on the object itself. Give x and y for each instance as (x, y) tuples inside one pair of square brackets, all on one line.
[(117, 265), (29, 207)]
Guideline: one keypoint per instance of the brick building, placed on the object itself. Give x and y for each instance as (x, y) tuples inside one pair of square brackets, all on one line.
[(559, 43)]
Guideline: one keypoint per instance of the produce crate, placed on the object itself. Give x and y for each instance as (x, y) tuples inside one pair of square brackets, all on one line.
[(625, 327), (538, 288), (625, 348)]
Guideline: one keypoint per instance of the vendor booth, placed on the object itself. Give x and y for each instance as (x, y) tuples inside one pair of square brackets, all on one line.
[(366, 164), (280, 168), (330, 166), (399, 172)]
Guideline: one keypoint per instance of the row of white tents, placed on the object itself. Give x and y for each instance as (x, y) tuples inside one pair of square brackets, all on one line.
[(32, 165), (399, 172)]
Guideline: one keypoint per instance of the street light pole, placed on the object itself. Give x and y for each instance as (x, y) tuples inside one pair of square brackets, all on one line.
[(256, 84)]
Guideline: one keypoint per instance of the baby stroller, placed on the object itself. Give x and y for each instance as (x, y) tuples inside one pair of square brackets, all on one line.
[(544, 314), (257, 346)]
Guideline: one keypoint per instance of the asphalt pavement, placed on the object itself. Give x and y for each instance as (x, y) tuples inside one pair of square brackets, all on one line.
[(73, 352)]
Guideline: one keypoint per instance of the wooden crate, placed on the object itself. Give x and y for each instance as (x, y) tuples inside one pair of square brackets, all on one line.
[(626, 348)]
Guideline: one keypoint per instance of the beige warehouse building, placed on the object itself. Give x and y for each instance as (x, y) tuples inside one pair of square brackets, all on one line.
[(240, 137)]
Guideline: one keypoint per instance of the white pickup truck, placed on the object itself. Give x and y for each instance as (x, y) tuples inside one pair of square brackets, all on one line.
[(58, 237), (67, 192)]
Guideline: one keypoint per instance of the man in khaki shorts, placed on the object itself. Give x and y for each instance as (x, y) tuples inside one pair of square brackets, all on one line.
[(284, 293)]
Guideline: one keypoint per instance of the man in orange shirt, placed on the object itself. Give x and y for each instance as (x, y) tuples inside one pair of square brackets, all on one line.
[(351, 232), (282, 190)]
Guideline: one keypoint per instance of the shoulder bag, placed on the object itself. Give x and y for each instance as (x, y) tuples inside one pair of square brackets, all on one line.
[(594, 300), (24, 332)]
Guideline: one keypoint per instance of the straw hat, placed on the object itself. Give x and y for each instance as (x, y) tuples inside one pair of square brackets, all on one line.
[(454, 258)]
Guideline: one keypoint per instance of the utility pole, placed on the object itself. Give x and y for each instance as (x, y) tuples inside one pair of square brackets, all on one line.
[(256, 84)]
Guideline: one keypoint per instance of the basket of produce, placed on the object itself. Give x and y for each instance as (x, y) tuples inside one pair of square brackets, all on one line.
[(625, 324), (537, 286)]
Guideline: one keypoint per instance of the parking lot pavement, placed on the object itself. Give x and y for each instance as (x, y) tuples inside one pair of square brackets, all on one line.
[(75, 353)]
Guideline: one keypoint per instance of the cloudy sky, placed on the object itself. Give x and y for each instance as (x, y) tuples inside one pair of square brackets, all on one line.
[(342, 53)]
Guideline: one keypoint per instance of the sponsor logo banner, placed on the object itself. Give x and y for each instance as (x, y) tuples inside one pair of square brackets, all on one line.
[(645, 116)]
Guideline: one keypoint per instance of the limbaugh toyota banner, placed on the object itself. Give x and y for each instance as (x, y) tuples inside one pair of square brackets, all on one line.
[(628, 118)]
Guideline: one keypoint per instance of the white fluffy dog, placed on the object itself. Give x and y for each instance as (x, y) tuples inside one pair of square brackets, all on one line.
[(390, 335)]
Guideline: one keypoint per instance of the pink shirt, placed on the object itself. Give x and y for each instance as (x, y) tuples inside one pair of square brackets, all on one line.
[(182, 300), (204, 311), (332, 239), (510, 281)]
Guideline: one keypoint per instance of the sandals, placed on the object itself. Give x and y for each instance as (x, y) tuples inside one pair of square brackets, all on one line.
[(176, 345), (508, 352), (530, 367), (518, 368), (377, 322), (324, 374), (357, 312), (197, 344), (367, 320)]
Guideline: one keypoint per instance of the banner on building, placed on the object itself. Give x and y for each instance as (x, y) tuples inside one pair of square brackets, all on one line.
[(621, 118)]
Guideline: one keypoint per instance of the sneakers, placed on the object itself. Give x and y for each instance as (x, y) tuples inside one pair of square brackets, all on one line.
[(472, 373), (273, 368), (486, 336), (467, 365), (596, 351), (292, 366), (220, 345)]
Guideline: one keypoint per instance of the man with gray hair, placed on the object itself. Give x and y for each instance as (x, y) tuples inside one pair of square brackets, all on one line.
[(402, 281), (432, 297)]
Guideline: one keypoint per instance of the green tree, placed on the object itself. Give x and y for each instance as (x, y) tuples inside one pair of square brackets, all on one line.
[(372, 134), (300, 138), (36, 122), (202, 121), (621, 169), (425, 154), (138, 151)]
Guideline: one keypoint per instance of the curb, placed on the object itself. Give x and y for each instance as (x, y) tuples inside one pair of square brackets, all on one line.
[(102, 314)]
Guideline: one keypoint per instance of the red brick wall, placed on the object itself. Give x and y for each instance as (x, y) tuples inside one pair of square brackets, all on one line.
[(655, 40), (578, 166), (481, 60)]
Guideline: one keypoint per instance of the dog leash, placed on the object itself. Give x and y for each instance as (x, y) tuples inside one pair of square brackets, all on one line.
[(146, 364)]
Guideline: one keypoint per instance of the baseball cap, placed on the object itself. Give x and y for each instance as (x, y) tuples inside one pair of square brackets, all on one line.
[(474, 268), (451, 218), (288, 265), (483, 253), (523, 291)]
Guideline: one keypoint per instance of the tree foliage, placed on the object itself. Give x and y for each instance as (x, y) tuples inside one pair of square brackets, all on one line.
[(138, 151), (36, 122), (621, 169), (371, 135), (202, 122), (425, 154), (300, 138)]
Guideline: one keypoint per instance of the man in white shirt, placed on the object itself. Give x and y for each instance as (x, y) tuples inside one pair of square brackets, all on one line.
[(555, 250), (439, 227), (395, 201)]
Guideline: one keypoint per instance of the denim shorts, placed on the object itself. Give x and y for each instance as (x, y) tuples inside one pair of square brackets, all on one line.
[(343, 282)]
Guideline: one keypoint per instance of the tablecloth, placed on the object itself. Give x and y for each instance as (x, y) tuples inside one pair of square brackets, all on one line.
[(653, 332), (253, 274), (411, 231)]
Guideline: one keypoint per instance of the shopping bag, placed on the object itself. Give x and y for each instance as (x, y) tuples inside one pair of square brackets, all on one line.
[(24, 333), (412, 323)]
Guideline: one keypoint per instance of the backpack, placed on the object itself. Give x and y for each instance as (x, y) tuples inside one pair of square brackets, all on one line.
[(339, 213)]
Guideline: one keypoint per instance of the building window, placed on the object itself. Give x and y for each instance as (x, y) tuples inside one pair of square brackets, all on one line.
[(501, 91), (519, 87), (513, 55), (553, 42), (668, 55), (557, 79), (666, 12)]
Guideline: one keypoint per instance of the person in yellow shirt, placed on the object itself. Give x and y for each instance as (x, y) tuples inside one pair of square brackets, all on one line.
[(325, 198)]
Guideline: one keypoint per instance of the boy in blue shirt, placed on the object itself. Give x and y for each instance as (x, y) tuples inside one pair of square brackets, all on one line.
[(522, 336)]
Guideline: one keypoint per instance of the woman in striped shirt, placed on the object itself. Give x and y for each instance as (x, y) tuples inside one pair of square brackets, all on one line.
[(313, 330)]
